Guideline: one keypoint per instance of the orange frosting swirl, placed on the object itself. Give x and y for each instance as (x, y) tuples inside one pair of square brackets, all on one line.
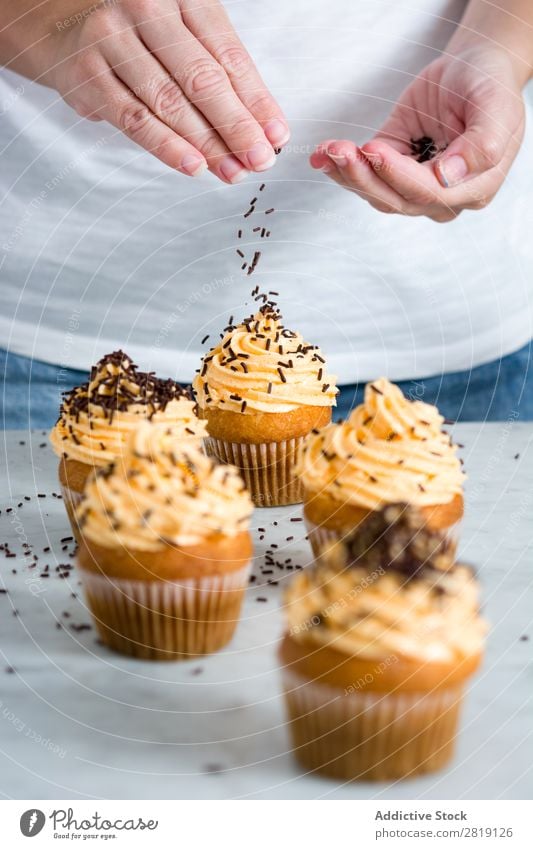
[(259, 366), (378, 614), (162, 491), (389, 450), (97, 418)]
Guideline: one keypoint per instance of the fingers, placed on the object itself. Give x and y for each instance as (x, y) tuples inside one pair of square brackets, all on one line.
[(209, 22), (414, 181), (207, 86), (150, 83), (418, 185), (343, 162), (491, 124), (109, 99)]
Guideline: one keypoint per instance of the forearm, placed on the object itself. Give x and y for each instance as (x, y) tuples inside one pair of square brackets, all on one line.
[(27, 28), (504, 24)]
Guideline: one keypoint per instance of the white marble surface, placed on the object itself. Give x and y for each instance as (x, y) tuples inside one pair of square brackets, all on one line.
[(77, 721)]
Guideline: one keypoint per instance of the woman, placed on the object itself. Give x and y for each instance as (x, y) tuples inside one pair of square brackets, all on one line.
[(114, 234)]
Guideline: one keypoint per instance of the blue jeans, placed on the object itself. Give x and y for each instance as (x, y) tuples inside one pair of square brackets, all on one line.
[(491, 392), (31, 391)]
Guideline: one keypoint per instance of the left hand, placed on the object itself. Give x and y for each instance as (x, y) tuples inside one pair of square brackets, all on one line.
[(470, 104)]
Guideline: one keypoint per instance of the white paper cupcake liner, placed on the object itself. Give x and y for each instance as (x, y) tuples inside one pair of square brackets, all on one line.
[(71, 499), (320, 536), (267, 468), (364, 735), (166, 620)]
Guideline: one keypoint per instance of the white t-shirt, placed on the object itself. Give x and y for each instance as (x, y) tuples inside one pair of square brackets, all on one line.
[(103, 246)]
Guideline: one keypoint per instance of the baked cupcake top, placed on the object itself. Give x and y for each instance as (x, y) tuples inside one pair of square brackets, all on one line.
[(390, 449), (391, 588), (97, 418), (260, 366), (162, 491)]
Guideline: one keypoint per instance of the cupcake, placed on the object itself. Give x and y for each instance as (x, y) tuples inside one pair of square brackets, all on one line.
[(383, 633), (389, 450), (164, 547), (97, 418), (262, 389)]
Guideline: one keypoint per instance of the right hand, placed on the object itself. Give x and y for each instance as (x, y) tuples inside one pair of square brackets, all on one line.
[(173, 76)]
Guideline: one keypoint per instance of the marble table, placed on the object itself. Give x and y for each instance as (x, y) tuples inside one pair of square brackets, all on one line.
[(78, 722)]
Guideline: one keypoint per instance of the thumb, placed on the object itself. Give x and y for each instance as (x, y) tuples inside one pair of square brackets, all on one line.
[(489, 129)]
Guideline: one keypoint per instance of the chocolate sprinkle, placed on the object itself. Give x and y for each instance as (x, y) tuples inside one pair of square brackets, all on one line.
[(397, 539), (153, 392)]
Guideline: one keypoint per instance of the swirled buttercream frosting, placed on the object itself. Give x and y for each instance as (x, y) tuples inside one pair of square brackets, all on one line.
[(162, 490), (389, 449), (390, 590), (97, 418), (260, 366)]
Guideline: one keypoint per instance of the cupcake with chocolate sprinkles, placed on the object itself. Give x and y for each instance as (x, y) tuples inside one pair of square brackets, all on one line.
[(389, 450), (383, 634), (164, 547), (97, 418), (262, 389)]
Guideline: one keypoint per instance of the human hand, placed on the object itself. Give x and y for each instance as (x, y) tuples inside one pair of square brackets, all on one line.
[(471, 105), (173, 76)]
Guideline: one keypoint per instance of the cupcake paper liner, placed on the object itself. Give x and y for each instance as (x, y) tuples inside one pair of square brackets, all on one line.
[(367, 735), (166, 620), (321, 536), (267, 469), (71, 499)]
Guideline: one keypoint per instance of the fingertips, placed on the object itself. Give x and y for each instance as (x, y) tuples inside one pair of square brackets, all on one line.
[(416, 182), (319, 158), (342, 153), (334, 155), (451, 171), (277, 132)]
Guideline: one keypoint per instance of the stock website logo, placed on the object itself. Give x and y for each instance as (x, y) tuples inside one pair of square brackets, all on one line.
[(32, 822), (65, 824)]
